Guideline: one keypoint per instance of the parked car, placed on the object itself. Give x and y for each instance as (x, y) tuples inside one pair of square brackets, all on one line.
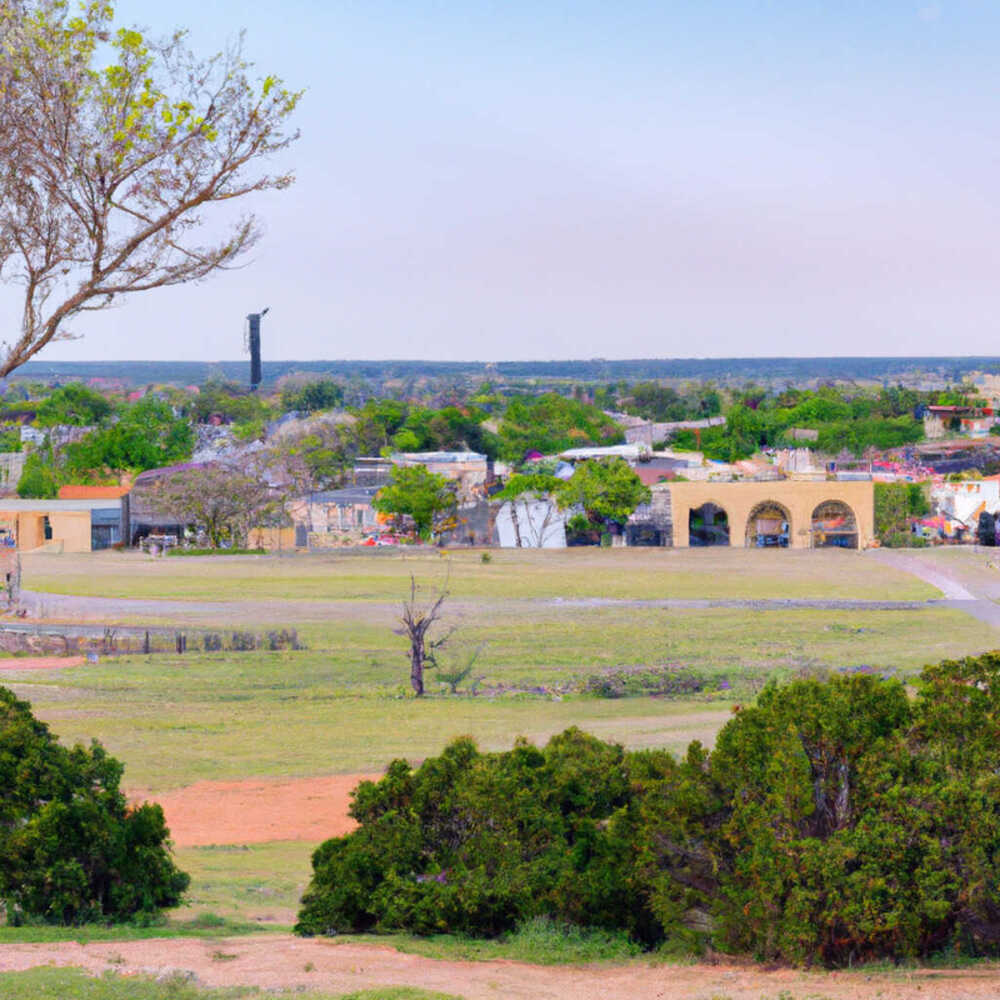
[(380, 540)]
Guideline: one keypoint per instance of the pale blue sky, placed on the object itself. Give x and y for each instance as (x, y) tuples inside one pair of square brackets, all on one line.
[(546, 180)]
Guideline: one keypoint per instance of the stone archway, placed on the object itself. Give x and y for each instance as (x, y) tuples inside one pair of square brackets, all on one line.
[(769, 524), (708, 525), (834, 526)]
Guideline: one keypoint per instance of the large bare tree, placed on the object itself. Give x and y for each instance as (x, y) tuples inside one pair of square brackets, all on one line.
[(112, 147), (224, 500)]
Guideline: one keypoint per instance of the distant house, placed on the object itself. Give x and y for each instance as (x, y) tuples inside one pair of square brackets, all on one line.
[(659, 470), (334, 517), (964, 502), (649, 433), (109, 525), (971, 421), (65, 525), (803, 434), (630, 453)]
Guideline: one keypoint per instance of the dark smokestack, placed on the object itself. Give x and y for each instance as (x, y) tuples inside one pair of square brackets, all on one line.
[(253, 343)]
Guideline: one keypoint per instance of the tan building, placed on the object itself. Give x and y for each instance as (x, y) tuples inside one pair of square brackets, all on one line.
[(60, 525), (785, 513)]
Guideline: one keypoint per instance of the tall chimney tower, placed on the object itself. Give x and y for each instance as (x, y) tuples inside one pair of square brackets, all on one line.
[(253, 344)]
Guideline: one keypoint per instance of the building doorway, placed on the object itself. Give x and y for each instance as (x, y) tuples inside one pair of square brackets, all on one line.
[(708, 525), (768, 526), (834, 526)]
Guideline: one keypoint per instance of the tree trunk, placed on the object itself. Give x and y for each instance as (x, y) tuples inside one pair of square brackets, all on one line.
[(417, 666), (517, 524)]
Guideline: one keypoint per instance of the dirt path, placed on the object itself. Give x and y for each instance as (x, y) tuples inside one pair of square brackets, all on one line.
[(285, 962), (960, 590), (256, 811), (40, 663), (952, 589)]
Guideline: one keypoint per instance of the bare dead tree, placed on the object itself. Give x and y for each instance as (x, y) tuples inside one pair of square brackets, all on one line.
[(418, 619), (112, 146)]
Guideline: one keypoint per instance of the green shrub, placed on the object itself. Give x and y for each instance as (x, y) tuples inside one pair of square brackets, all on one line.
[(71, 848), (243, 642), (286, 638), (632, 682), (895, 504), (38, 479), (474, 843), (836, 821)]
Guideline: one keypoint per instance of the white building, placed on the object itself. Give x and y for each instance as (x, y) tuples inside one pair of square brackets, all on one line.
[(966, 501), (538, 524)]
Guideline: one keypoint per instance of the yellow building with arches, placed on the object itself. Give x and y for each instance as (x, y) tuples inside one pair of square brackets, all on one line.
[(786, 513)]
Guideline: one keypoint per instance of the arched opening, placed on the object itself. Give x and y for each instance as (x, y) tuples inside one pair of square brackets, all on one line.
[(769, 525), (834, 526), (708, 525)]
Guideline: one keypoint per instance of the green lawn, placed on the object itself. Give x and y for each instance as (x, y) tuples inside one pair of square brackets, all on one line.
[(529, 574), (258, 883), (346, 708), (72, 984)]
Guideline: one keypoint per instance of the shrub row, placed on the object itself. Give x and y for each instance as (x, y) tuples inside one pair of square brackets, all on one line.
[(834, 821), (246, 642)]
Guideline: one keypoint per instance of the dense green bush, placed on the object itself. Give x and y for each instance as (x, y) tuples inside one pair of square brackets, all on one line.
[(71, 848), (38, 480), (895, 504), (146, 435), (835, 821), (477, 843), (550, 423), (73, 404)]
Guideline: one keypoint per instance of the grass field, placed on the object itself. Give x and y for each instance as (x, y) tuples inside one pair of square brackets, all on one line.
[(71, 984), (343, 705), (526, 574)]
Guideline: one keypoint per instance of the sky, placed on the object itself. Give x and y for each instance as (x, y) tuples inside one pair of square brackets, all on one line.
[(538, 180)]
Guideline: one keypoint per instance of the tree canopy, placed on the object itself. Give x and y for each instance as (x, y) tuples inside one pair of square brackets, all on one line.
[(422, 495), (112, 148), (552, 423), (73, 404), (72, 850), (145, 436), (608, 489), (224, 500)]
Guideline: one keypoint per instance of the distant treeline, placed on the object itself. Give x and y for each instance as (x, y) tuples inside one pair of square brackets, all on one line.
[(595, 370)]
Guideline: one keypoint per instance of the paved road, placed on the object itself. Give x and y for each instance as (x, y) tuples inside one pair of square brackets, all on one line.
[(960, 591)]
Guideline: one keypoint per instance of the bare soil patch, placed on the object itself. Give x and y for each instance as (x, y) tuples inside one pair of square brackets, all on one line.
[(40, 663), (254, 812), (276, 962)]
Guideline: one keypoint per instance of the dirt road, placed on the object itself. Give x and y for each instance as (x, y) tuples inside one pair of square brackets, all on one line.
[(289, 963), (18, 663)]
